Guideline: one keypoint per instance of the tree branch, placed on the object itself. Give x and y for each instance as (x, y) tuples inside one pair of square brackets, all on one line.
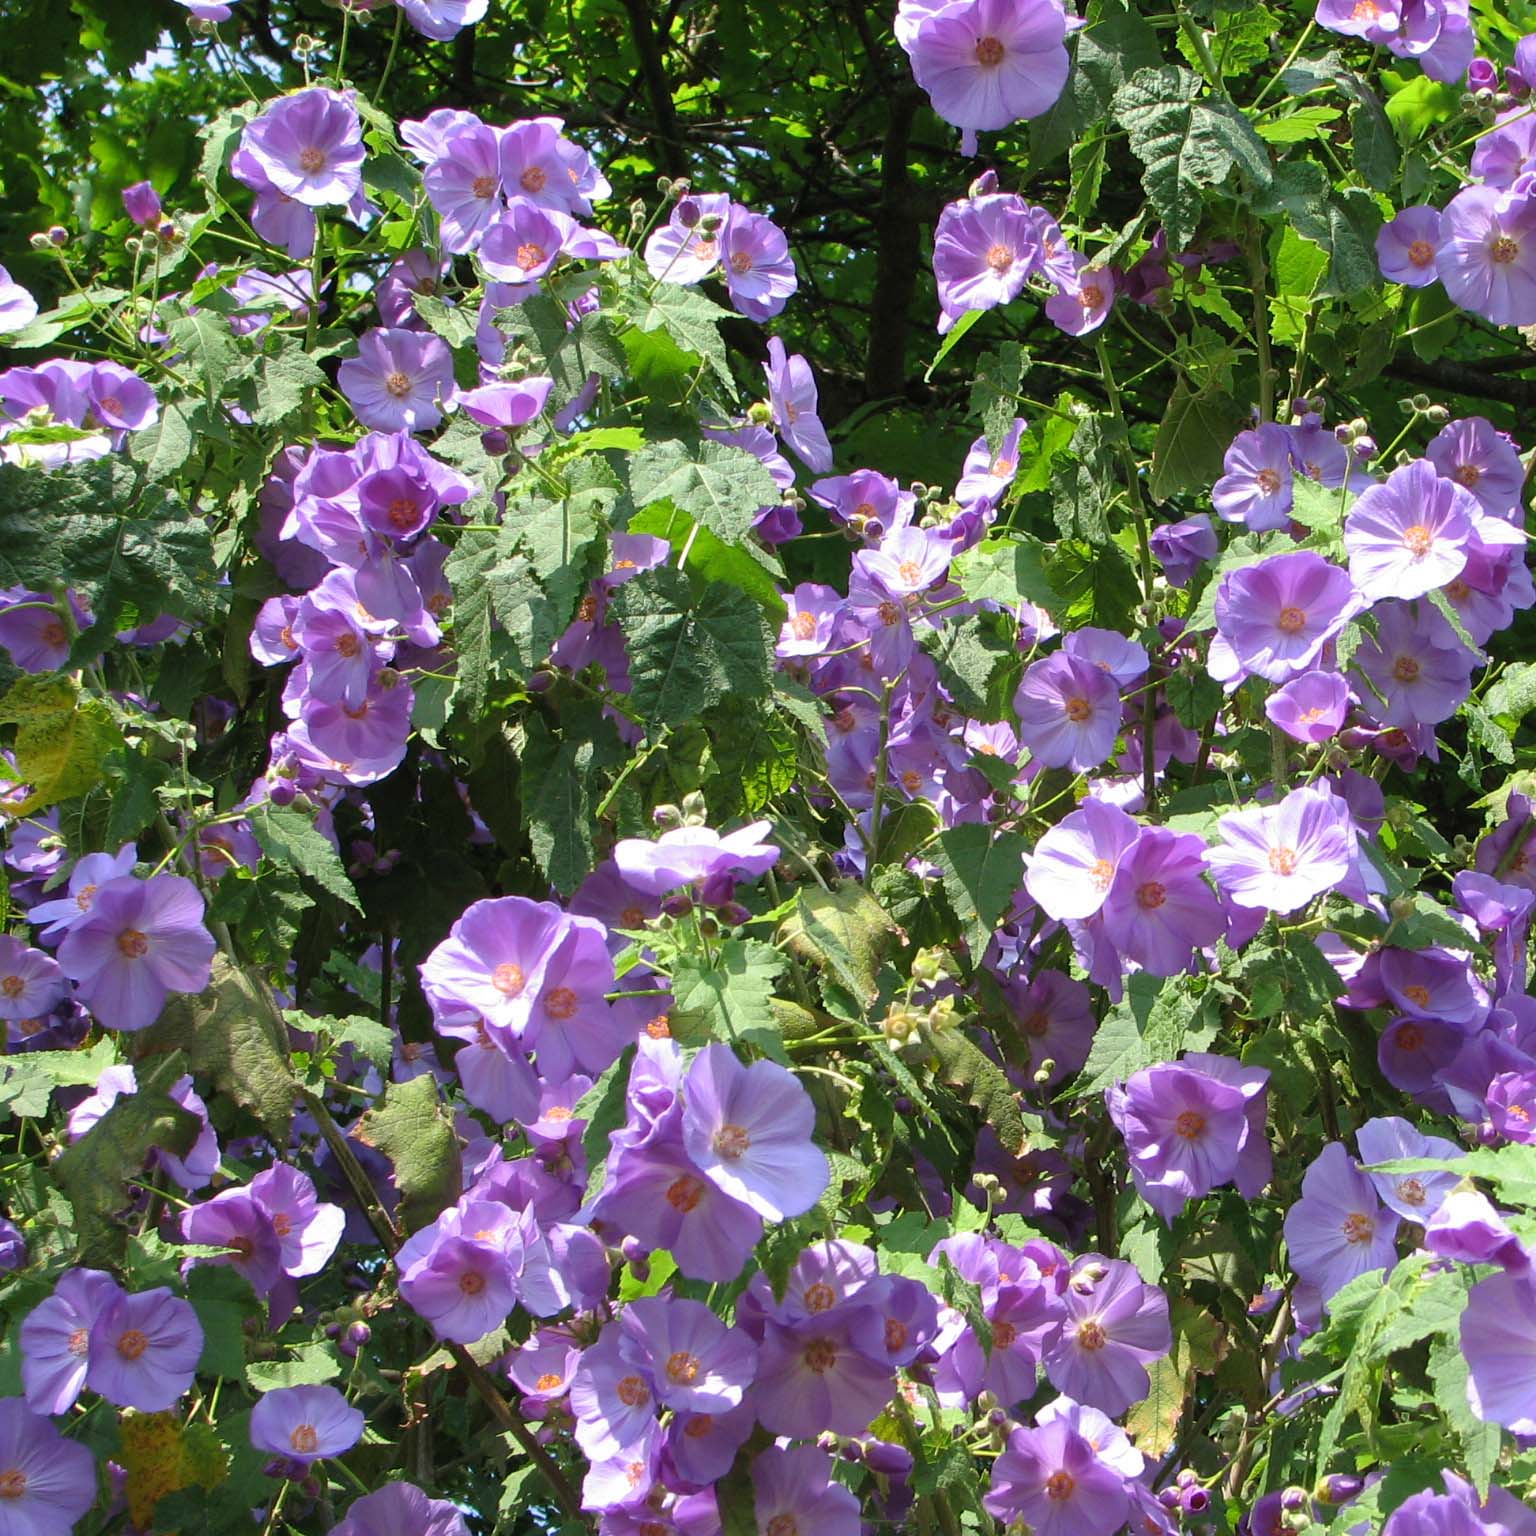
[(668, 137)]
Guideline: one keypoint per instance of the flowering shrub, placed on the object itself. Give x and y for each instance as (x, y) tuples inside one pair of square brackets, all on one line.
[(578, 957)]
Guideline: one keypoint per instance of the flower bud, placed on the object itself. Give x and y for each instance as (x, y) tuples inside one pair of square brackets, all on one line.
[(984, 185), (664, 185), (1437, 415), (1338, 1488), (1421, 403), (760, 413), (678, 904), (39, 241), (1294, 1498), (668, 817), (142, 204), (1194, 1500)]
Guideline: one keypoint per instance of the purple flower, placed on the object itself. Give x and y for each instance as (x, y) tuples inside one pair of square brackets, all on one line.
[(1281, 856), (460, 1272), (1466, 1227), (55, 1338), (1051, 1479), (793, 1492), (233, 1220), (792, 396), (143, 1350), (401, 1509), (1487, 256), (1115, 1327), (1183, 1130), (1419, 671), (612, 1399), (463, 184), (1182, 548), (759, 271), (1054, 1014), (686, 249), (305, 1423), (984, 250), (307, 1229), (1159, 908), (1083, 304), (142, 204), (1511, 1102), (507, 405), (1501, 157), (492, 963), (1073, 866), (1377, 21), (1339, 1228), (1498, 1338), (1068, 711), (18, 308), (1311, 707), (984, 477), (442, 19), (31, 982), (748, 1129), (397, 379), (47, 1482), (693, 856), (987, 63), (1255, 486), (33, 630), (1278, 614), (815, 1372), (691, 1359), (310, 146), (1409, 535), (142, 940), (1407, 246), (1414, 1196), (1482, 460)]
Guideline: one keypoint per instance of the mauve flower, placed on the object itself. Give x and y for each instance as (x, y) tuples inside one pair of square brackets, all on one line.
[(1182, 548), (1051, 1479), (305, 1423), (1466, 1227), (1501, 156), (815, 1372), (792, 396), (1280, 856), (442, 19), (692, 1360), (1255, 486), (307, 1229), (694, 856), (55, 1338), (235, 1221), (1115, 1327), (401, 1509), (1083, 304), (31, 982), (1511, 1102), (1311, 707), (18, 308), (142, 940), (1278, 614), (984, 249), (686, 248), (397, 379), (1409, 535), (1487, 256), (47, 1483), (987, 63), (1159, 909), (492, 963), (1482, 460), (1414, 1196), (460, 1271), (1073, 866), (1498, 1338), (310, 146), (1407, 246), (793, 1492), (1068, 712), (759, 271), (1054, 1014), (143, 1350), (1339, 1228), (749, 1128), (612, 1400), (1433, 984), (1375, 20), (985, 476), (507, 405), (88, 874), (1419, 670)]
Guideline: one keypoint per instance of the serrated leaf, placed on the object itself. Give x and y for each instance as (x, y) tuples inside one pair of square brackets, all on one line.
[(728, 998), (982, 867), (1480, 1442), (721, 487), (966, 1068), (1155, 1020), (1008, 571), (687, 316), (368, 1038), (312, 1366), (1192, 437), (844, 930), (27, 1080), (289, 837), (63, 740), (603, 1107), (746, 566), (413, 1128)]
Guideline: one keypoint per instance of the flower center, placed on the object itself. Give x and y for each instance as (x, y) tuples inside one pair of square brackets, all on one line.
[(282, 1224), (1292, 619), (1091, 1335), (132, 1344), (54, 632), (508, 979), (529, 255), (398, 384), (804, 625), (889, 613), (1358, 1228), (347, 646), (548, 1382), (402, 514), (1151, 895), (1078, 709), (1366, 10), (484, 187), (304, 1439), (999, 259), (1003, 1335), (1410, 1037), (1036, 1024), (1467, 475), (1405, 669), (821, 1355), (1102, 874), (1059, 1486), (1282, 861), (731, 1142), (1417, 994), (133, 944), (1000, 469), (684, 1194), (561, 1003), (699, 1425), (1190, 1125), (819, 1297), (741, 263), (472, 1282), (910, 572), (79, 1343), (682, 1368), (633, 1392), (782, 1525), (533, 179), (989, 52), (13, 1483), (311, 160), (896, 1334), (1090, 296), (13, 986), (1267, 480), (1421, 254), (1412, 1192), (1418, 539), (1504, 250), (659, 1028)]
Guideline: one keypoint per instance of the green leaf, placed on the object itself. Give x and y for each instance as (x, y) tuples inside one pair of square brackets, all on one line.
[(952, 339), (1186, 144), (122, 545), (995, 391), (687, 316), (285, 379), (93, 1173), (604, 1107), (1155, 1021), (689, 648), (1480, 1442), (210, 345), (568, 354), (719, 486), (264, 910), (233, 1035), (745, 566), (1097, 585), (983, 868), (1081, 484), (368, 1038), (1194, 434), (1008, 571), (729, 998), (559, 776), (313, 1365), (413, 1128), (844, 930), (290, 837), (27, 1080), (967, 1069), (453, 322), (1342, 224), (1373, 144), (1296, 127), (979, 663), (63, 739)]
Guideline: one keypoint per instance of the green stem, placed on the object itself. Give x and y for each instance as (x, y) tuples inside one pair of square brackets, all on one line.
[(1258, 277), (389, 61)]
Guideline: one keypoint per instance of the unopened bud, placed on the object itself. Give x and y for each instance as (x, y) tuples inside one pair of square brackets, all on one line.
[(1421, 402), (39, 241), (1437, 415), (664, 185), (58, 235), (760, 413), (1338, 1488), (710, 224), (1194, 1500), (668, 817), (1294, 1498)]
